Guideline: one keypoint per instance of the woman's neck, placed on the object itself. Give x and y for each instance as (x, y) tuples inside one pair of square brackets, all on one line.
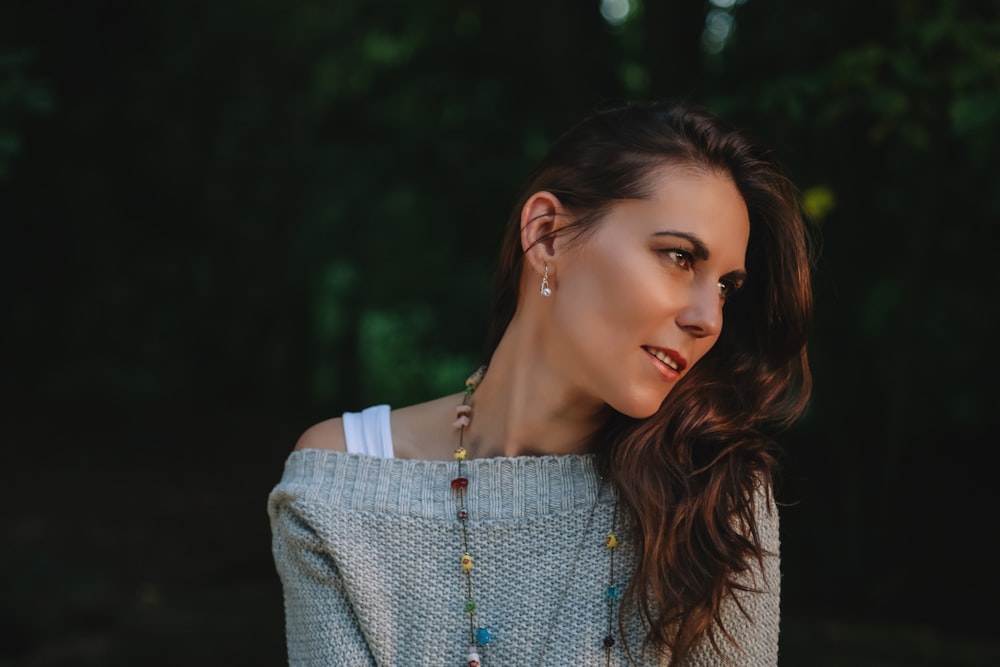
[(525, 407)]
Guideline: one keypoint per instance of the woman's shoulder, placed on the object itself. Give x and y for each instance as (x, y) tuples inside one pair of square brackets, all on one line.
[(420, 431), (328, 434), (424, 430)]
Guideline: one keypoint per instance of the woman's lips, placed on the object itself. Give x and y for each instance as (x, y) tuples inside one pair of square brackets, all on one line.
[(669, 362)]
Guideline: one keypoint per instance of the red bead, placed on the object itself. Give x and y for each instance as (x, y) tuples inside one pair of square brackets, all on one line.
[(460, 483), (463, 514)]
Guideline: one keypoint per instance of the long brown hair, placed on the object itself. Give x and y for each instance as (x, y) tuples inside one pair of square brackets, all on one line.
[(689, 474)]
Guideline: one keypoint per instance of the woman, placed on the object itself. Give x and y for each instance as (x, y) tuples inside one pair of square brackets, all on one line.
[(601, 494)]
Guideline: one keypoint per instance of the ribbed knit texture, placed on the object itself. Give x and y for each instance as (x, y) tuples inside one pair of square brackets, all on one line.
[(368, 552)]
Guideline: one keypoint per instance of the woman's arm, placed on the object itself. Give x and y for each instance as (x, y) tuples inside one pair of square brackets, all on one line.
[(321, 627)]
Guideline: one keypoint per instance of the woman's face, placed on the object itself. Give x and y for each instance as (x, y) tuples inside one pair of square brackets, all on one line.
[(639, 300)]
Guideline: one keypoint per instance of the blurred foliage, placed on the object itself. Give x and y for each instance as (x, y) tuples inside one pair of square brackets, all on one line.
[(295, 206), (21, 97)]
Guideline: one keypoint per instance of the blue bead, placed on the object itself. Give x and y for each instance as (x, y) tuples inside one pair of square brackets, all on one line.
[(612, 593), (484, 636)]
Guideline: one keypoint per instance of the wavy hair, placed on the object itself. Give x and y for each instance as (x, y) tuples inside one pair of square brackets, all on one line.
[(689, 474)]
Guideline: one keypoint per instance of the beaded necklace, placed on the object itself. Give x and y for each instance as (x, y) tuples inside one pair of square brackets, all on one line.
[(481, 636)]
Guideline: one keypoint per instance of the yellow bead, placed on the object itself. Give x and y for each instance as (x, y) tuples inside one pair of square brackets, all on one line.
[(611, 540), (466, 562), (460, 454)]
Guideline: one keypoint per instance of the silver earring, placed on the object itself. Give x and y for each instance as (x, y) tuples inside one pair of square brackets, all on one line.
[(546, 290)]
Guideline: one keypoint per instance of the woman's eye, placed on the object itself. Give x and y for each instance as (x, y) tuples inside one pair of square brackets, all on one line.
[(680, 257), (729, 288)]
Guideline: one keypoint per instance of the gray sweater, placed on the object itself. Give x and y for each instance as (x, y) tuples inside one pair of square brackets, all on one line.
[(368, 552)]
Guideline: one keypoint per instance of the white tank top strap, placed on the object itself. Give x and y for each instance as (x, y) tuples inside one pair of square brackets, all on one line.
[(368, 432)]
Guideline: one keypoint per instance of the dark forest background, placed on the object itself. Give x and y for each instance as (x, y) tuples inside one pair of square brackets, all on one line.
[(224, 221)]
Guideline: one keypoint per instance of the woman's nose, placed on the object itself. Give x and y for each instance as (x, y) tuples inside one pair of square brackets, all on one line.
[(702, 315)]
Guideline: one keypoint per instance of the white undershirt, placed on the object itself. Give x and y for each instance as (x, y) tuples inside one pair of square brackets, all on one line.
[(368, 432)]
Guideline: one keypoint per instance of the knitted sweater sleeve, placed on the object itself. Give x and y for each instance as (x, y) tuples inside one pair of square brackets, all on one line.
[(321, 626)]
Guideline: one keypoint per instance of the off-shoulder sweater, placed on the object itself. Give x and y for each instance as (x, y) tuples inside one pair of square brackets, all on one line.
[(368, 550)]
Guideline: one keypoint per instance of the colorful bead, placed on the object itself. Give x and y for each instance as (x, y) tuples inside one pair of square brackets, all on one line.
[(611, 540), (466, 562), (609, 641), (460, 483), (474, 379), (470, 606), (463, 514), (484, 636), (473, 657), (460, 454), (461, 422), (612, 593)]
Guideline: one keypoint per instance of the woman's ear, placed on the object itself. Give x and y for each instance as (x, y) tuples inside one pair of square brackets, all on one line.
[(541, 217)]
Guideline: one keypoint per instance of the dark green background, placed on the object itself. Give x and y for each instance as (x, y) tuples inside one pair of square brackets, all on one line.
[(224, 221)]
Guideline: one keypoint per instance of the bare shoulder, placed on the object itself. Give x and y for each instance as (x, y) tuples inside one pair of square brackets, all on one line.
[(424, 431), (327, 434)]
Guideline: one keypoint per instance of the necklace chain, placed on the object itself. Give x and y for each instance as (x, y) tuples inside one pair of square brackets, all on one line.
[(480, 636)]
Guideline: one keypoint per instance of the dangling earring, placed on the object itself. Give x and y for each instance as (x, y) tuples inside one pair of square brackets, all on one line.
[(546, 290)]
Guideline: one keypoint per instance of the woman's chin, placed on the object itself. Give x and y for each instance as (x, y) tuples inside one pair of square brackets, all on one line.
[(641, 407)]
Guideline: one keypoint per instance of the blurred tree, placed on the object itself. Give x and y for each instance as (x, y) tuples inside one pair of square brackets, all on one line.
[(21, 97), (230, 208)]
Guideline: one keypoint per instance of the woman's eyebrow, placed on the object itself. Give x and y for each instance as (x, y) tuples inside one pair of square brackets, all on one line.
[(700, 249)]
